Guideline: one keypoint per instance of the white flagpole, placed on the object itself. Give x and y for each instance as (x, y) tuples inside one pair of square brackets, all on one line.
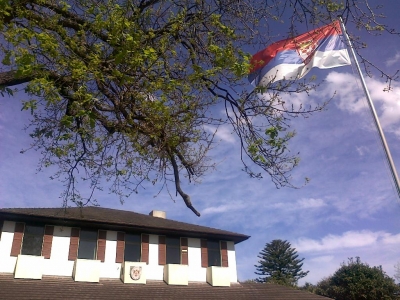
[(375, 116)]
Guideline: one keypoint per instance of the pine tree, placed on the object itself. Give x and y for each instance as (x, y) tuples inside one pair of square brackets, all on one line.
[(279, 264)]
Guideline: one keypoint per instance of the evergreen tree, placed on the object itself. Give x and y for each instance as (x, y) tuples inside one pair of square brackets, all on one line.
[(356, 281), (279, 264)]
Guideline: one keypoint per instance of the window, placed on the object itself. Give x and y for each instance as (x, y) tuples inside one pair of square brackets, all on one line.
[(33, 240), (87, 244), (1, 228), (214, 253), (173, 250), (132, 247)]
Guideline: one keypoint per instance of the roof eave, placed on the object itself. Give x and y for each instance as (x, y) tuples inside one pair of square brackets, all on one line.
[(74, 222)]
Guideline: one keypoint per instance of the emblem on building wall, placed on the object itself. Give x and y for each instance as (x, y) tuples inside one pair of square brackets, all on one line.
[(136, 272)]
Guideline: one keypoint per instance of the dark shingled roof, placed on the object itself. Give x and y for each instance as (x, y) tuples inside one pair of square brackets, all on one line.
[(114, 219), (51, 287)]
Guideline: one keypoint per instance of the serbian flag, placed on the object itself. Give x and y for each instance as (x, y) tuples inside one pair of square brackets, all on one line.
[(293, 58)]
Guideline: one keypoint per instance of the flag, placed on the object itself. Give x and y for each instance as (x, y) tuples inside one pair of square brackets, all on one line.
[(293, 58)]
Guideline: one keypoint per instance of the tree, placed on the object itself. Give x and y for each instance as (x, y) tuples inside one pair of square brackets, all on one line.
[(124, 91), (397, 271), (309, 287), (356, 280), (279, 264)]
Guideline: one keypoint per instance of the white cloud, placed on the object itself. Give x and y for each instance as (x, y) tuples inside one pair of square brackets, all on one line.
[(389, 102), (348, 240), (330, 242), (391, 239), (349, 96), (222, 208), (346, 90), (310, 203), (322, 259), (304, 203), (298, 100), (393, 59), (378, 249), (224, 133), (362, 150)]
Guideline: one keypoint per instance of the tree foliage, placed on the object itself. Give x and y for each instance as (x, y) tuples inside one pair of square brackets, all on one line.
[(279, 263), (126, 91), (309, 287), (357, 280), (397, 271)]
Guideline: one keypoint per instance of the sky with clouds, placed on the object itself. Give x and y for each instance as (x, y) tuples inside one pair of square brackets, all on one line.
[(349, 208)]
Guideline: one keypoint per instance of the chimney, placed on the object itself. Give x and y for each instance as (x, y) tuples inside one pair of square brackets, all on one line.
[(158, 214)]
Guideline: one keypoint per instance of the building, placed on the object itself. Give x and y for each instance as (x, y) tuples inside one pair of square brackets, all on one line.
[(101, 253)]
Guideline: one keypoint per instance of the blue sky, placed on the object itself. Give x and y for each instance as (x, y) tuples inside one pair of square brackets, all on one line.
[(349, 208)]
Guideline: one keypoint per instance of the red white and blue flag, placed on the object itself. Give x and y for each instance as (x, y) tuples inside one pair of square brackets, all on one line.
[(293, 58)]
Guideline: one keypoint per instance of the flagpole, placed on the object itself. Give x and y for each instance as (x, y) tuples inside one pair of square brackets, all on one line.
[(375, 116)]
